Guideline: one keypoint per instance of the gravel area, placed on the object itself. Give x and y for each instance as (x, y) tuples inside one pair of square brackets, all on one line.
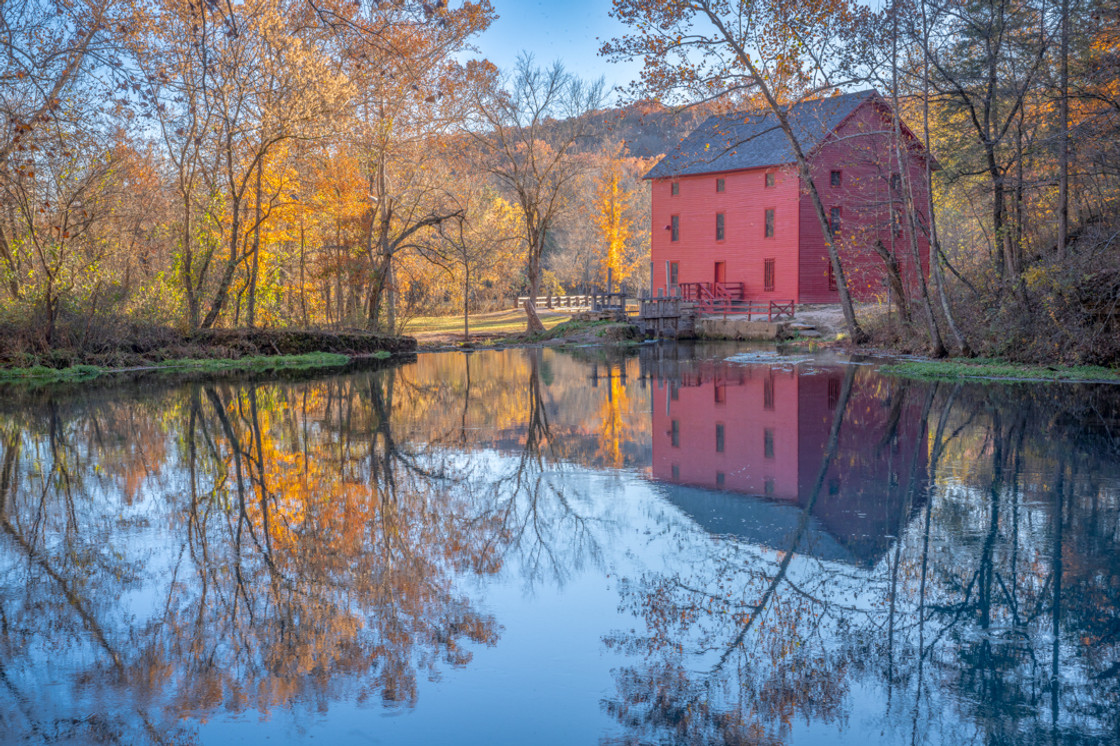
[(828, 318)]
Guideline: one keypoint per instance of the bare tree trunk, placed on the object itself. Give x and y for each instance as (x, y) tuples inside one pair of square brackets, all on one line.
[(390, 295), (251, 315), (1063, 145), (9, 259), (302, 265), (533, 323), (338, 252), (193, 310), (934, 241), (1008, 268), (894, 277), (235, 229), (902, 161), (854, 330), (377, 291), (373, 299)]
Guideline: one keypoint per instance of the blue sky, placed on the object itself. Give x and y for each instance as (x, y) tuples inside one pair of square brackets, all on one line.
[(571, 31)]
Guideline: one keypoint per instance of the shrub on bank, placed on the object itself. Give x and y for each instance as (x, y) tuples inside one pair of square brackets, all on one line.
[(1061, 310), (115, 342), (1057, 311)]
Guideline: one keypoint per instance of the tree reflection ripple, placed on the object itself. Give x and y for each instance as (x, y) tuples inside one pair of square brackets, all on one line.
[(789, 552)]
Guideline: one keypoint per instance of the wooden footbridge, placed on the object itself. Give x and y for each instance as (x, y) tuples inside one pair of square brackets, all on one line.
[(592, 306), (676, 315), (673, 315)]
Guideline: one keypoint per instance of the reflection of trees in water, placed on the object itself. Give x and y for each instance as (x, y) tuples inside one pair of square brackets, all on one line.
[(541, 518), (997, 608), (734, 622), (55, 562), (276, 545), (314, 553), (480, 401), (1003, 597), (319, 574)]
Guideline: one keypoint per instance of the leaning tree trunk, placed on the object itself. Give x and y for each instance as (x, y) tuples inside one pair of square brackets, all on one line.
[(226, 280), (855, 331)]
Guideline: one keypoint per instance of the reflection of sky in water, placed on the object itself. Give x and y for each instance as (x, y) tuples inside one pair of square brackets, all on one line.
[(614, 567)]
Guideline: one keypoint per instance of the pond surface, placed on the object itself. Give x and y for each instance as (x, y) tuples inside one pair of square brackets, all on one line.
[(535, 547)]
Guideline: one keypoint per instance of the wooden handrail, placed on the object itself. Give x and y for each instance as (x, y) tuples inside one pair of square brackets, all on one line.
[(601, 301), (555, 301)]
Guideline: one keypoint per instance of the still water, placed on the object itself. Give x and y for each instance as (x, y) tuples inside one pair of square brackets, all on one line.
[(536, 547)]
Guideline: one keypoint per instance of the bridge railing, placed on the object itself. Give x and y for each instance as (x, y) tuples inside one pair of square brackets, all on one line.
[(585, 302), (556, 301)]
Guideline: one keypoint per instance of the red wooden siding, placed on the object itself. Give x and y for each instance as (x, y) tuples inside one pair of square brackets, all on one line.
[(861, 150), (744, 249)]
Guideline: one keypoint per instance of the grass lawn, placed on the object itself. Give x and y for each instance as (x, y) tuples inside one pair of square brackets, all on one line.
[(496, 322)]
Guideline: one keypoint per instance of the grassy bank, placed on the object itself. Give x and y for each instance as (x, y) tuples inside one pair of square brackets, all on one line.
[(583, 333), (113, 343), (257, 363), (998, 370)]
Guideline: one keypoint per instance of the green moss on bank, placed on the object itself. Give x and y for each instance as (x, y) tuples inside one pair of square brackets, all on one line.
[(589, 332), (998, 370), (41, 373), (260, 363)]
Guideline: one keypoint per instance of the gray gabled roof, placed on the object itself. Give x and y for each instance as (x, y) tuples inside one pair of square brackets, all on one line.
[(733, 142)]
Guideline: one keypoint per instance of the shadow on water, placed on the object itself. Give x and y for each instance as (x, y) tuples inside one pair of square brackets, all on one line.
[(892, 561)]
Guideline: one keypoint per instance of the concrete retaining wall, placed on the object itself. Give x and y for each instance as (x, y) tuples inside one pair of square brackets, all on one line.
[(714, 327)]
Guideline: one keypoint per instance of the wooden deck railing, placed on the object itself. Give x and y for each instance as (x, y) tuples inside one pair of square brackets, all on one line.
[(771, 310), (674, 306), (712, 290)]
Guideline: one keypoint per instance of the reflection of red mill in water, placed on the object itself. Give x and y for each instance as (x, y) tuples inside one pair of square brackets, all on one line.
[(762, 431)]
